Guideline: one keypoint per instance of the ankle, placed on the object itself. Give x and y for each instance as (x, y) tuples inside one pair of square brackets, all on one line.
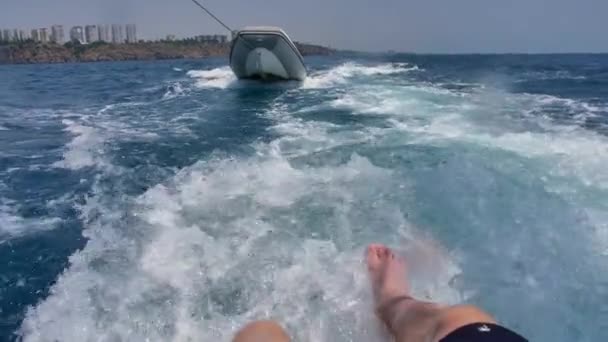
[(391, 310), (401, 312)]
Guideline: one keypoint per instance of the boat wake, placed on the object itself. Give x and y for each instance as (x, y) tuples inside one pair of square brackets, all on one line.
[(279, 190), (342, 73), (220, 78)]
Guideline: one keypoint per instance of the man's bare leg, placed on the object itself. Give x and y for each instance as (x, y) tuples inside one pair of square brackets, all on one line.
[(262, 331), (407, 318)]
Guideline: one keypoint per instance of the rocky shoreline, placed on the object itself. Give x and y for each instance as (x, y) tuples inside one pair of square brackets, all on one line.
[(37, 53)]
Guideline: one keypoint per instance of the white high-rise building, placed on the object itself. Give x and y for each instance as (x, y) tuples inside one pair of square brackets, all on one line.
[(104, 33), (6, 35), (77, 34), (57, 34), (91, 33), (131, 33), (44, 35), (23, 35), (35, 35), (117, 34), (15, 35)]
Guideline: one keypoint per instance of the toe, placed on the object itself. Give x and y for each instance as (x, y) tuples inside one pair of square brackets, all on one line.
[(378, 255), (385, 252), (375, 255), (375, 248)]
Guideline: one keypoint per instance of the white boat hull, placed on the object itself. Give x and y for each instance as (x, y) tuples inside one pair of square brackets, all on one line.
[(266, 53)]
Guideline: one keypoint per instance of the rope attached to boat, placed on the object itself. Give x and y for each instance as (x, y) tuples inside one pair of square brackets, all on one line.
[(212, 15)]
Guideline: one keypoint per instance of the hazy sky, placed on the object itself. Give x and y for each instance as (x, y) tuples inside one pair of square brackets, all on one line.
[(451, 26)]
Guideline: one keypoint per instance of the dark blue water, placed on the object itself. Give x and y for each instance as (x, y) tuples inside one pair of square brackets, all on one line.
[(167, 201)]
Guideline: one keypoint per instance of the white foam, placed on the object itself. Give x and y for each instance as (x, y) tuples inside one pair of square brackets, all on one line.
[(113, 122), (174, 90), (552, 75), (409, 101), (374, 103), (84, 150), (573, 158), (574, 105), (517, 123), (220, 78), (299, 137), (383, 69), (2, 128), (12, 225), (577, 152), (341, 73), (223, 244), (436, 113)]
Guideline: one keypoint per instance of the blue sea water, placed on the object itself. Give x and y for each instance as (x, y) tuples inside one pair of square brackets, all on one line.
[(166, 201)]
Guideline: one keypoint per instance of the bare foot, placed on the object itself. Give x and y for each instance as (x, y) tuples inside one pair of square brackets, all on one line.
[(387, 274), (406, 318)]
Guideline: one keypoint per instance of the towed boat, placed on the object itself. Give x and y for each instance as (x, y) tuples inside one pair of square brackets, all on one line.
[(265, 53)]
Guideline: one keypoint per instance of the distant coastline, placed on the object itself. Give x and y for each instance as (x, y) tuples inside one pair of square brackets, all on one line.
[(30, 52)]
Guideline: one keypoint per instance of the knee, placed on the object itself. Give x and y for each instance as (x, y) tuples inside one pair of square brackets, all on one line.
[(262, 331)]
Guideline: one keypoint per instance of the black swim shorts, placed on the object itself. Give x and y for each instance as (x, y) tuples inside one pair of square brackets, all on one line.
[(483, 332)]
